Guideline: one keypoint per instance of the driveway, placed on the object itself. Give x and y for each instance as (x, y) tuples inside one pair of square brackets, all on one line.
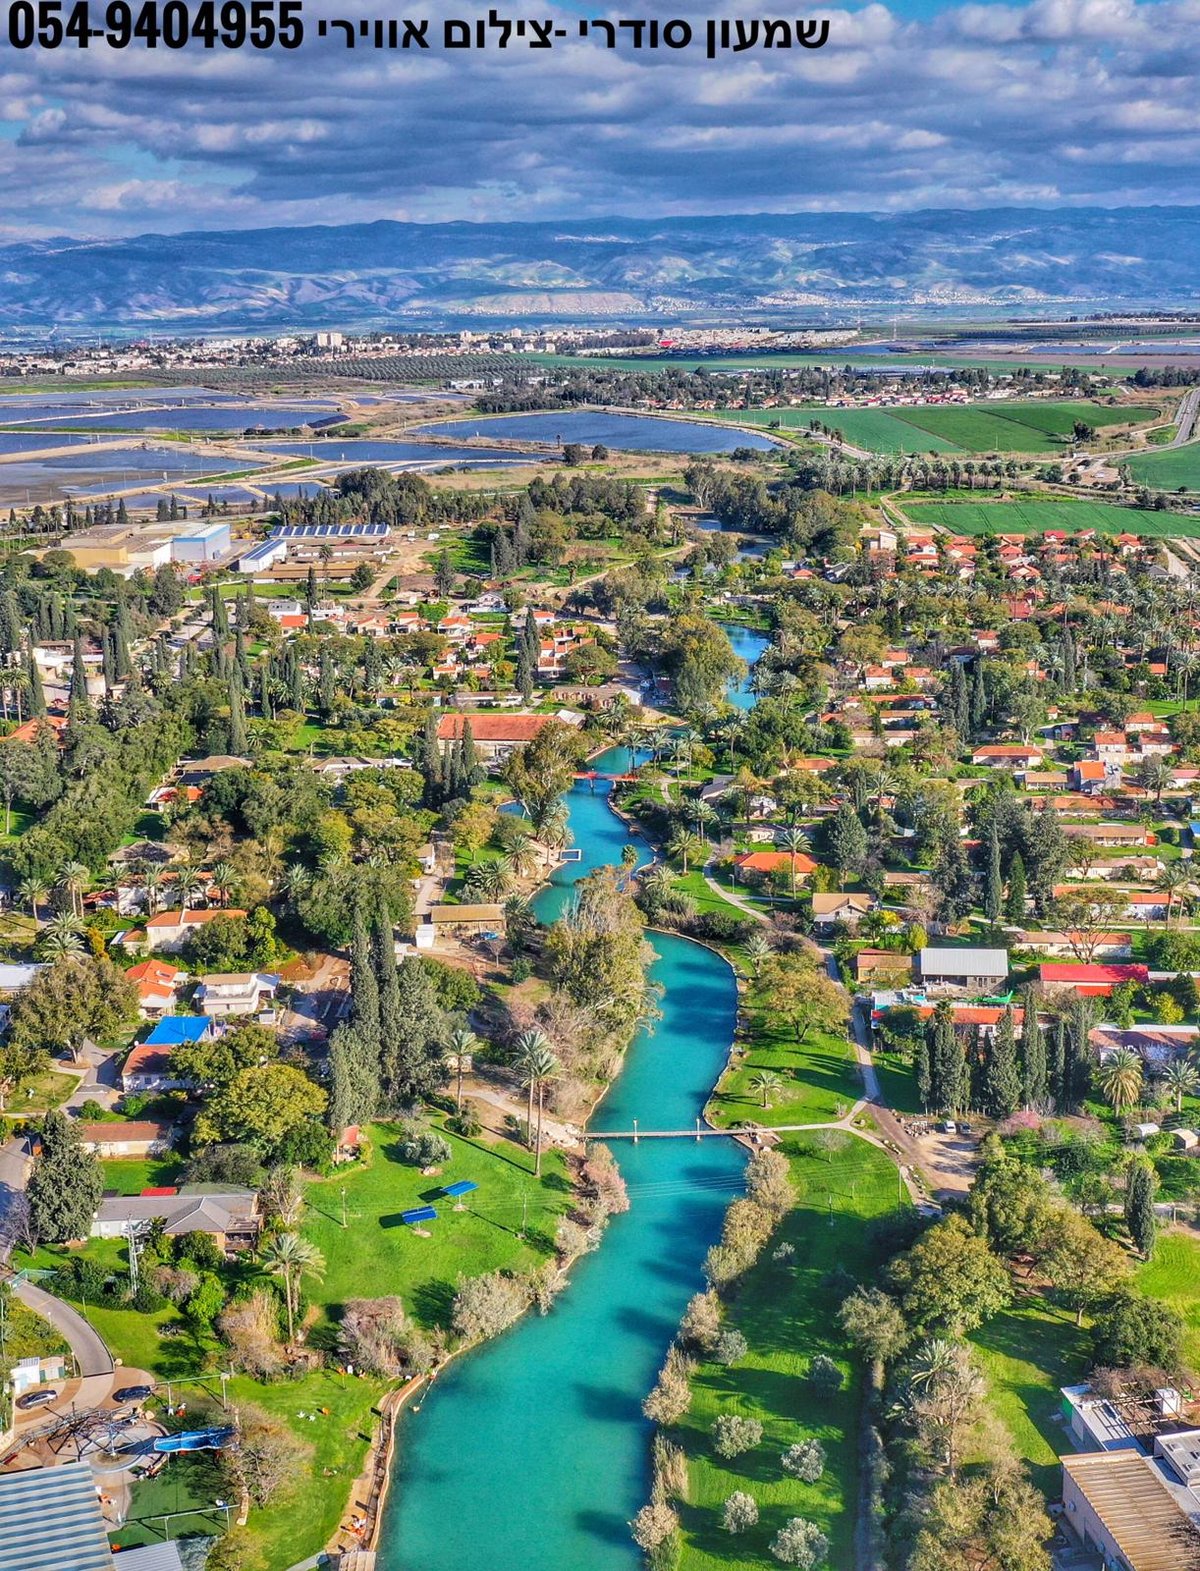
[(91, 1354)]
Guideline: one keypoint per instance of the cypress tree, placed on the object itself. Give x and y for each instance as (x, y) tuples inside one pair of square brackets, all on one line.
[(35, 682), (470, 757), (922, 1068), (383, 961), (78, 692), (1058, 1067), (978, 698), (1001, 1089), (414, 1071), (237, 720), (354, 1093), (311, 589), (944, 1050), (296, 684), (1014, 905), (1034, 1086), (364, 985), (993, 882), (1139, 1206)]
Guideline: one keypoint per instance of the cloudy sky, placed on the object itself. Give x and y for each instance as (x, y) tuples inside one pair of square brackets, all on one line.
[(916, 104)]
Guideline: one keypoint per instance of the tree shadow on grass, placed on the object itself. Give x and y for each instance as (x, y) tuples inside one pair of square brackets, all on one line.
[(433, 1302)]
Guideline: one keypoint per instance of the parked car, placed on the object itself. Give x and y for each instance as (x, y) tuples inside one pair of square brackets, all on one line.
[(133, 1393), (36, 1399), (948, 1126)]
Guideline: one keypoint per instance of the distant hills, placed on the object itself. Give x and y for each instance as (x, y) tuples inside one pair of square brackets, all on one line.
[(793, 267)]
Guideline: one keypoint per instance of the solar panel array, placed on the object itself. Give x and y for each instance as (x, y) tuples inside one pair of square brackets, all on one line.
[(330, 532)]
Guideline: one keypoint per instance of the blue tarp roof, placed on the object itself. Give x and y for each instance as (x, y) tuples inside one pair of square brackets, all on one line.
[(419, 1214), (464, 1186), (176, 1030)]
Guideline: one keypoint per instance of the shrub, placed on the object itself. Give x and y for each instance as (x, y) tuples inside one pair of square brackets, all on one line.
[(465, 1124), (486, 1305), (521, 970), (147, 1300), (672, 1393), (426, 1148), (670, 1469), (824, 1374), (730, 1347), (739, 1512), (653, 1523), (733, 1435), (701, 1323), (805, 1460), (800, 1543)]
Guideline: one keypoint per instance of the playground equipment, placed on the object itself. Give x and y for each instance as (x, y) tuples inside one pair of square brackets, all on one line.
[(194, 1440)]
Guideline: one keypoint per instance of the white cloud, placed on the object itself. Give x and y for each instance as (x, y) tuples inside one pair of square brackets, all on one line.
[(1056, 101)]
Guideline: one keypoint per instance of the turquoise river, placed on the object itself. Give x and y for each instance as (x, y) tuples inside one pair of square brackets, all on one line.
[(532, 1453)]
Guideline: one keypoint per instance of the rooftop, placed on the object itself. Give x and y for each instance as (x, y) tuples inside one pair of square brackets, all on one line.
[(1127, 1492), (50, 1521)]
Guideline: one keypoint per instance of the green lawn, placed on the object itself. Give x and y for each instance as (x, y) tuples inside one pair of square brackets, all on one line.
[(376, 1255), (1032, 517), (786, 1311), (1027, 1354), (129, 1176), (1167, 471), (820, 1077), (1174, 1275)]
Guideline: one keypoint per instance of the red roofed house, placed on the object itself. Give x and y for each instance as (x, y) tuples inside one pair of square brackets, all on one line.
[(156, 982), (28, 732), (766, 862), (1093, 981), (126, 1139), (170, 930), (496, 736), (1008, 755)]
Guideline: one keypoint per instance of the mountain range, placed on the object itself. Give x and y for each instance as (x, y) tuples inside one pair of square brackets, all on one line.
[(771, 266)]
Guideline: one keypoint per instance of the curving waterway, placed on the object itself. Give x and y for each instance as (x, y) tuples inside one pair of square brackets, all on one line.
[(531, 1454)]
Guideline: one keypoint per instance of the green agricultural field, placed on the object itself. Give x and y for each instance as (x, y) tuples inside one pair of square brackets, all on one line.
[(785, 1310), (1026, 427), (1032, 517), (1179, 467)]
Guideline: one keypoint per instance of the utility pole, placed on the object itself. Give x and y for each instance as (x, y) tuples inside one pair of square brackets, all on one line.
[(131, 1235), (344, 1223)]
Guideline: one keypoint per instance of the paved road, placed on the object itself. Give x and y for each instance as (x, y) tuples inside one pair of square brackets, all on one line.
[(14, 1173), (1185, 420)]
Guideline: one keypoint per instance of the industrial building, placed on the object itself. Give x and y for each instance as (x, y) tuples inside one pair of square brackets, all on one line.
[(209, 543), (263, 556)]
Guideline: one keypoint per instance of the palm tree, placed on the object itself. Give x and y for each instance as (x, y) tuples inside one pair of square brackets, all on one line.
[(528, 1050), (33, 890), (540, 1067), (151, 878), (795, 841), (291, 1257), (758, 950), (1182, 1079), (187, 881), (63, 941), (74, 878), (1120, 1078), (222, 880), (684, 844), (658, 740), (1170, 882), (704, 816), (523, 856), (489, 880), (462, 1044), (768, 1085)]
